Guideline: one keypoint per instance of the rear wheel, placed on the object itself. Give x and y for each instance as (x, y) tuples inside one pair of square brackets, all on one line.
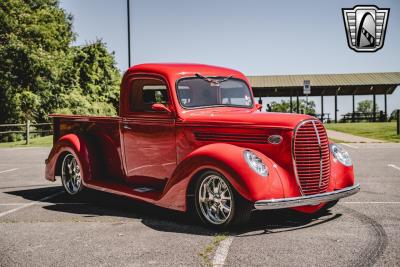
[(71, 174), (217, 203)]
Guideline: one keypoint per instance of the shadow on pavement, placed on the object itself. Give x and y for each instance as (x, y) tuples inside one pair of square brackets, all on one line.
[(93, 203), (279, 221)]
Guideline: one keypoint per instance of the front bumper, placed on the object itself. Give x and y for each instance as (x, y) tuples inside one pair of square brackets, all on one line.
[(283, 203)]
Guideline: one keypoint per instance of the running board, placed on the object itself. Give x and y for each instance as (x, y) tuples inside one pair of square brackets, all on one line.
[(139, 193)]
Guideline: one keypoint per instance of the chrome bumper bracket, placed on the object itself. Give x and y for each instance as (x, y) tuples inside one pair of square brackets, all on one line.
[(283, 203)]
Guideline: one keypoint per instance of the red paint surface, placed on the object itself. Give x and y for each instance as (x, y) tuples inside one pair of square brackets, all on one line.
[(165, 150)]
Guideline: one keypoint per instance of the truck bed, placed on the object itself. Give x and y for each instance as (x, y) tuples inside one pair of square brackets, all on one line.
[(103, 136)]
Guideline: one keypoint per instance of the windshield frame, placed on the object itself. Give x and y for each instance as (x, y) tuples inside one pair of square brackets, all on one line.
[(213, 106)]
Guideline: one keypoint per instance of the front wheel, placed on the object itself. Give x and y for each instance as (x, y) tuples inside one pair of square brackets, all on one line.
[(217, 203), (71, 174)]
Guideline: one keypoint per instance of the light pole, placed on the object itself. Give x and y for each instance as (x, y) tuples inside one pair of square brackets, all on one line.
[(129, 31)]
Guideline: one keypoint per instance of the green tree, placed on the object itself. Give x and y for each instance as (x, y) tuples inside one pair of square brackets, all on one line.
[(393, 115), (34, 40), (97, 74), (366, 106), (41, 73), (93, 82), (28, 104), (284, 106)]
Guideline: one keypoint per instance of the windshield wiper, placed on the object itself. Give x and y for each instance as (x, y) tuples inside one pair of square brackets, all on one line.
[(213, 82)]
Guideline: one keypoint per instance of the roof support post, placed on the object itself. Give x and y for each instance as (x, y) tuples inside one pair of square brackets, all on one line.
[(386, 115), (354, 108), (291, 102), (336, 110), (322, 108), (297, 102), (374, 107)]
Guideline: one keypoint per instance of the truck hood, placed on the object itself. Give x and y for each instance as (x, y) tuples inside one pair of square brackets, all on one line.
[(241, 117)]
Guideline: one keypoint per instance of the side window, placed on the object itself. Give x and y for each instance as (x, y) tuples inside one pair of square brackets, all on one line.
[(146, 92)]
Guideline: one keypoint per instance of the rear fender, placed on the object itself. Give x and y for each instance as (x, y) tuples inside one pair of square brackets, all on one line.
[(76, 145), (229, 161)]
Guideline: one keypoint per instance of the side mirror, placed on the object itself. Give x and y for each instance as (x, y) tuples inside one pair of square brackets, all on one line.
[(259, 107), (160, 107)]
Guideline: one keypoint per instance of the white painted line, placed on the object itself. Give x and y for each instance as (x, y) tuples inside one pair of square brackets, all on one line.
[(19, 148), (348, 145), (222, 252), (31, 204), (394, 166), (45, 202), (10, 170), (372, 202), (12, 204)]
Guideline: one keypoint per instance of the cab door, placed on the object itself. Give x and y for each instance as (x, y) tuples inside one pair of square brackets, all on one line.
[(148, 135)]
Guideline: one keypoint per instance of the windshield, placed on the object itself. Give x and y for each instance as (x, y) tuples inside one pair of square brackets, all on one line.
[(216, 91)]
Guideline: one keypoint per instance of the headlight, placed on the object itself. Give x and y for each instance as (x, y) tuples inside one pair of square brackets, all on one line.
[(255, 163), (341, 154)]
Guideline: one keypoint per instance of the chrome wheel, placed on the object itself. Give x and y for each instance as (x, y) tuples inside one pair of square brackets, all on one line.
[(215, 199), (71, 174)]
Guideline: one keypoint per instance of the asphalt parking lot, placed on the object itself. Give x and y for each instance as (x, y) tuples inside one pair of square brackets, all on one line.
[(42, 226)]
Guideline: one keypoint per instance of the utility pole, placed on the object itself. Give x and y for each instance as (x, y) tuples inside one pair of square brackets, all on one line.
[(129, 31)]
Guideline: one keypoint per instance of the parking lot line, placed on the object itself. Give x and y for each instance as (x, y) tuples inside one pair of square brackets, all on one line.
[(394, 166), (372, 202), (222, 252), (12, 204), (10, 170), (31, 203), (45, 202), (19, 148)]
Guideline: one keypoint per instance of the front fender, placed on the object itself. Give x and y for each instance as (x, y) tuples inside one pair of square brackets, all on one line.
[(228, 160), (343, 176), (76, 145)]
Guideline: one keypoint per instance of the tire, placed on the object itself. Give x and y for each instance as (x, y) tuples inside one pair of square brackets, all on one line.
[(217, 204), (71, 174)]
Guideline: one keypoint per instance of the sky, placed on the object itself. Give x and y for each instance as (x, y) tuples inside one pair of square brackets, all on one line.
[(256, 37)]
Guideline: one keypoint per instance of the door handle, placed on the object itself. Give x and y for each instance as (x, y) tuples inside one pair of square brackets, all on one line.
[(126, 127)]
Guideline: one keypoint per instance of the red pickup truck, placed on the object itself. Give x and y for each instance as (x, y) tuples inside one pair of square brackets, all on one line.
[(190, 136)]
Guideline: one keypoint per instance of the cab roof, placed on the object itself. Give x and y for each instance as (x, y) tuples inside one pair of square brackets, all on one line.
[(177, 70)]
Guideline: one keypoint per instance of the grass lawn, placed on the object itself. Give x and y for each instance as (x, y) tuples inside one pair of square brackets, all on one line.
[(46, 141), (377, 130)]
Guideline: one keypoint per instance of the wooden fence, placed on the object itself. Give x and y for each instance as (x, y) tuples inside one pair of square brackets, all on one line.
[(26, 129)]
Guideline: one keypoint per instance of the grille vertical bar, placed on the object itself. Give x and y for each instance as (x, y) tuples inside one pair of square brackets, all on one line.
[(311, 157)]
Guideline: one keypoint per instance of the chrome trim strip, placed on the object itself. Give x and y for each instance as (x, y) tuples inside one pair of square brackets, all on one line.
[(283, 203)]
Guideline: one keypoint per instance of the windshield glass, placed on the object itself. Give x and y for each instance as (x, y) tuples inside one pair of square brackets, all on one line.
[(221, 91)]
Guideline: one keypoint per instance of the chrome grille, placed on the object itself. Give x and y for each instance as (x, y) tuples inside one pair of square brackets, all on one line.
[(311, 157)]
